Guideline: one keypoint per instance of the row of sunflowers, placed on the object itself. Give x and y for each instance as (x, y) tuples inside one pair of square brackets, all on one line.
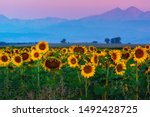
[(86, 72)]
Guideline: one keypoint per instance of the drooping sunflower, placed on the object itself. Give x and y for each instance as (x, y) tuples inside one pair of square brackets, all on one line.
[(17, 60), (94, 59), (42, 47), (73, 61), (87, 70), (26, 57), (35, 55), (120, 68), (147, 47), (4, 59), (52, 64), (115, 55), (140, 54)]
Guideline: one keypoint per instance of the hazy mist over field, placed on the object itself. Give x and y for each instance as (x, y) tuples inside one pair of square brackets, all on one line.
[(132, 25)]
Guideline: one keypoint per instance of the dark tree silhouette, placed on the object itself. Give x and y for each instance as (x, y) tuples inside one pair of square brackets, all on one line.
[(63, 40), (94, 42), (107, 40), (116, 40)]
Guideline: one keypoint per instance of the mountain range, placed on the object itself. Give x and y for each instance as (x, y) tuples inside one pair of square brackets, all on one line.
[(131, 24)]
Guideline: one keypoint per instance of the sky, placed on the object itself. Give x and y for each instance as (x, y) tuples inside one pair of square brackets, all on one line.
[(70, 9)]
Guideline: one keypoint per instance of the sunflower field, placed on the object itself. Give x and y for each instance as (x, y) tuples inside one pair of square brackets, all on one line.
[(74, 73)]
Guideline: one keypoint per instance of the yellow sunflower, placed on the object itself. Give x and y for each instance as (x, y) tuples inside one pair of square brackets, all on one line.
[(87, 70), (26, 57), (4, 59), (17, 60), (140, 54), (94, 59), (73, 61), (92, 49), (115, 55), (52, 64), (126, 48), (42, 47), (78, 49), (126, 55), (120, 68), (147, 47), (35, 55), (64, 50)]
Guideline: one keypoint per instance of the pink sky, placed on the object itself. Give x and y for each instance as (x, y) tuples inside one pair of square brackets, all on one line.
[(65, 8)]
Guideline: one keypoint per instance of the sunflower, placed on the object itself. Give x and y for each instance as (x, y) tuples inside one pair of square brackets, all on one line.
[(25, 56), (35, 55), (33, 48), (147, 47), (64, 50), (73, 61), (42, 47), (87, 70), (126, 56), (115, 55), (52, 64), (147, 70), (120, 68), (140, 54), (17, 60), (94, 59), (4, 59), (78, 49), (126, 48), (92, 49)]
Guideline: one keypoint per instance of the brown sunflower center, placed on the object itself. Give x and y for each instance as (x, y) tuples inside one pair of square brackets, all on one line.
[(91, 48), (119, 67), (17, 59), (4, 58), (125, 55), (42, 46), (114, 56), (36, 54), (52, 63), (139, 53), (87, 69), (95, 59), (79, 49), (73, 61), (25, 56)]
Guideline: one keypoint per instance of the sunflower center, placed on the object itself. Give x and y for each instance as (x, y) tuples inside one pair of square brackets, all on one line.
[(119, 68), (114, 56), (73, 61), (95, 59), (52, 64), (4, 58), (79, 49), (126, 55), (87, 69), (17, 59), (139, 53), (36, 54), (42, 46), (25, 56)]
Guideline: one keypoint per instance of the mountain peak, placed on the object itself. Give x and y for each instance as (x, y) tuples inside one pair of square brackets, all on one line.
[(133, 9)]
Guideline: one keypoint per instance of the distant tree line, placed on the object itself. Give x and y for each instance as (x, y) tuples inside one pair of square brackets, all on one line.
[(116, 40)]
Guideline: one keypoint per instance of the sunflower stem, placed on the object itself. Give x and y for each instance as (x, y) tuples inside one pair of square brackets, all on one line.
[(137, 82), (80, 83), (86, 87), (107, 79), (38, 78), (6, 87)]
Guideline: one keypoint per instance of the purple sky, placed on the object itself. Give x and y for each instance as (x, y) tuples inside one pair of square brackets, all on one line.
[(64, 8)]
